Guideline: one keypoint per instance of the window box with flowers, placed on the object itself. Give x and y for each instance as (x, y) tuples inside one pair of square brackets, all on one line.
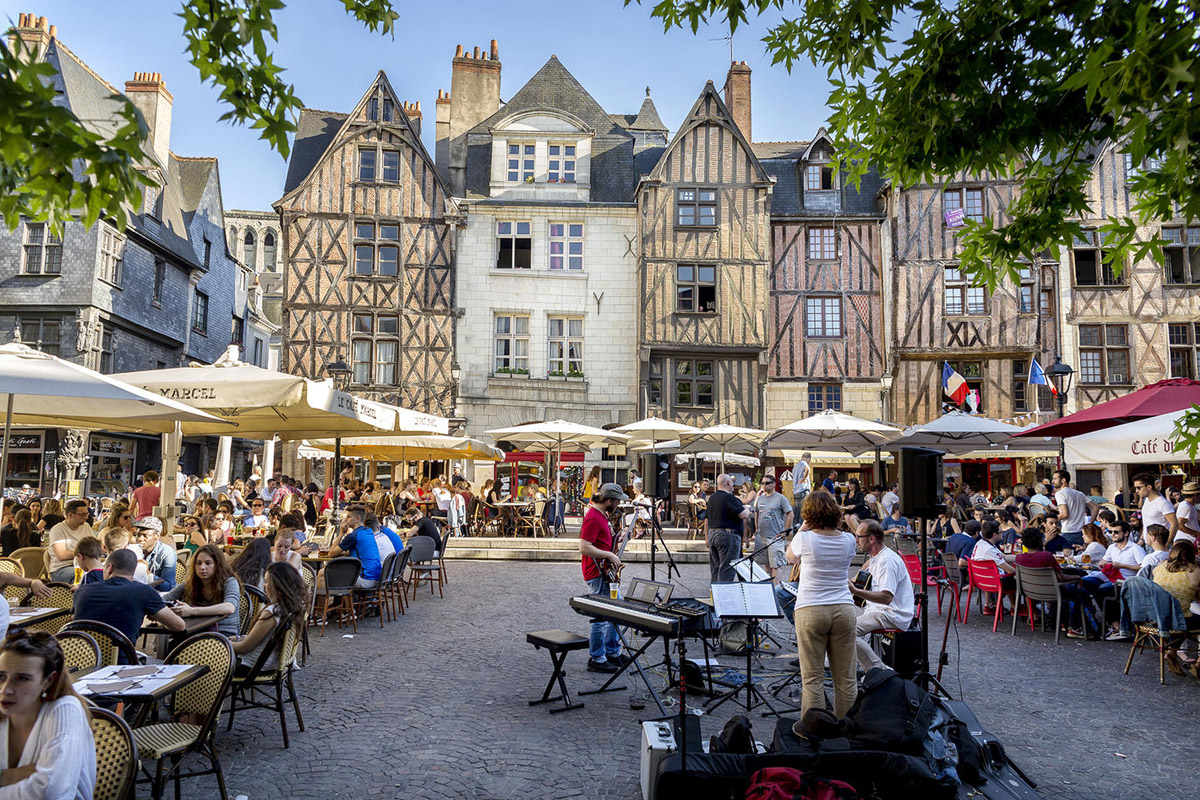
[(511, 372)]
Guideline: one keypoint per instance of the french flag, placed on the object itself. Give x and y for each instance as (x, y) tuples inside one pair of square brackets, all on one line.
[(953, 384), (1038, 376)]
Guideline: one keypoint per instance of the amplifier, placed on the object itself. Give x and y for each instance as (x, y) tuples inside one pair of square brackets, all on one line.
[(902, 651), (658, 742)]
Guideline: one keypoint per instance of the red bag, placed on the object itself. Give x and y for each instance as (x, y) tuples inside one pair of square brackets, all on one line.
[(785, 783), (1111, 572)]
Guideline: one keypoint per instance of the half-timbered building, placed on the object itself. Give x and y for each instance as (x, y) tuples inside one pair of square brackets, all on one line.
[(704, 255), (366, 232), (825, 319), (935, 314)]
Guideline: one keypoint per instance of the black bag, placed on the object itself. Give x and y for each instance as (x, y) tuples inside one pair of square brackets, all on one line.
[(734, 637), (891, 713), (736, 737)]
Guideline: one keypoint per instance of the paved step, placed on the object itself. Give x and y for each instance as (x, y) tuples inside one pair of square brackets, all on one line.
[(565, 548)]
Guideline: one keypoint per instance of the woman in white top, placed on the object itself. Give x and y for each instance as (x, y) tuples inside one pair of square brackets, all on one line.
[(1095, 544), (45, 738), (824, 616), (287, 594)]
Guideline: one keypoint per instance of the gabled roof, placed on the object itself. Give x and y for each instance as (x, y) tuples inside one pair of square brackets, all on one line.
[(314, 133), (710, 98), (554, 87)]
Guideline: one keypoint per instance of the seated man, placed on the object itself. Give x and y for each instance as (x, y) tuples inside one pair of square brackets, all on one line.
[(1156, 537), (896, 520), (986, 550), (121, 602), (358, 542), (118, 539), (1055, 541), (423, 526), (160, 557), (889, 601), (386, 548), (963, 542), (1035, 555), (257, 519)]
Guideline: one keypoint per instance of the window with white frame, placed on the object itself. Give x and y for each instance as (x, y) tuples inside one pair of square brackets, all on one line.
[(1181, 255), (969, 200), (377, 249), (391, 166), (818, 177), (520, 162), (696, 208), (42, 334), (822, 244), (962, 298), (511, 344), (566, 245), (514, 245), (1184, 341), (1104, 355), (823, 317), (375, 349), (1088, 255), (43, 250), (560, 167), (696, 288), (565, 347), (1025, 289), (112, 252)]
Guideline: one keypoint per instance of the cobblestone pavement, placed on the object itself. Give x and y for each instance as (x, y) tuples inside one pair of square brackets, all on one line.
[(434, 706)]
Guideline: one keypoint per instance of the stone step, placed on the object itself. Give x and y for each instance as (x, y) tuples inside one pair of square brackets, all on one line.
[(519, 554), (565, 548)]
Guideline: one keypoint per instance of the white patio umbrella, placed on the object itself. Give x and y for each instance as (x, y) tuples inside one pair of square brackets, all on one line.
[(1144, 441), (831, 430), (957, 432), (42, 389), (655, 429), (726, 437), (411, 448), (715, 458), (557, 435)]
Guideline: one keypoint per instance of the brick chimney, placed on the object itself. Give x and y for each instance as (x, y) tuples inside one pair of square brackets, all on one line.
[(737, 96), (34, 33), (441, 134), (475, 93), (149, 95), (413, 112)]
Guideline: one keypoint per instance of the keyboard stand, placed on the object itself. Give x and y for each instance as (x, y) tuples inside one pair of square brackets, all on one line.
[(635, 655)]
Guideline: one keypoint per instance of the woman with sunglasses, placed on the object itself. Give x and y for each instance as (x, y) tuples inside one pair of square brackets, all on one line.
[(45, 736)]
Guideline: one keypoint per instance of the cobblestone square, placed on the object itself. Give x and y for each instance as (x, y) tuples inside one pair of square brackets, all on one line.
[(434, 706)]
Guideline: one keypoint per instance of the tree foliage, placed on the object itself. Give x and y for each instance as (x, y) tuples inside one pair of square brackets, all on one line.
[(55, 168), (1030, 90)]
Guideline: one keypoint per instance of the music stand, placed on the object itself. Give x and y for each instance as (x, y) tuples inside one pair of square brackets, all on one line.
[(750, 602), (748, 571)]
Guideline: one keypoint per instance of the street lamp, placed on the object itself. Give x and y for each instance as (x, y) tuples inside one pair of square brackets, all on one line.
[(340, 374), (455, 383), (1061, 375)]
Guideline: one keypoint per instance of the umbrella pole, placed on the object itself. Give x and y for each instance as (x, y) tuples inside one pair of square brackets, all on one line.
[(4, 451), (337, 484)]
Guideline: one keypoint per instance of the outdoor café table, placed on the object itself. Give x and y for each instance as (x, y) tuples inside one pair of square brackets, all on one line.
[(508, 510), (20, 616), (166, 639), (132, 683)]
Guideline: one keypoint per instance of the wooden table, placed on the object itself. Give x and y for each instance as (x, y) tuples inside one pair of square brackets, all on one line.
[(151, 683), (20, 616), (166, 639)]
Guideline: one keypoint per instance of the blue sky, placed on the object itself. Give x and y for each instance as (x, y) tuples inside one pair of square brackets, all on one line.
[(614, 51)]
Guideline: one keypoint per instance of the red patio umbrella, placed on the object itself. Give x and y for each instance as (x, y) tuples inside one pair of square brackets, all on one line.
[(1150, 401)]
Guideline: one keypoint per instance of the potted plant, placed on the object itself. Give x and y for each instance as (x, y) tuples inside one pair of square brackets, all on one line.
[(574, 375), (554, 373)]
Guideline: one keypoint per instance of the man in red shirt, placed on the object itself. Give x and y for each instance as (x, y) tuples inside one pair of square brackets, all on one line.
[(595, 546), (1032, 539), (146, 496)]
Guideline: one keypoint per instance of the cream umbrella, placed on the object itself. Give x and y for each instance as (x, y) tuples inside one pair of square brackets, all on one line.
[(957, 432), (412, 448), (557, 435), (831, 430), (655, 429), (726, 437)]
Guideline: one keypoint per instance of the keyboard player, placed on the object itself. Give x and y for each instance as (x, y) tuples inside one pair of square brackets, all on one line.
[(596, 546)]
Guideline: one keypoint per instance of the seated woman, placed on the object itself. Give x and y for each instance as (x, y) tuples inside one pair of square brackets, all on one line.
[(209, 588), (52, 514), (698, 503), (20, 534), (287, 600), (251, 564), (1095, 544), (194, 534), (281, 548), (1180, 576), (49, 752)]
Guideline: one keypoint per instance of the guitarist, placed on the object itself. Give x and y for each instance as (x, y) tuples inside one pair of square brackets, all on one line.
[(889, 600), (596, 548)]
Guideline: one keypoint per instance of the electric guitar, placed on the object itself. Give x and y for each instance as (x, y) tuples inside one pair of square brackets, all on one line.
[(612, 575)]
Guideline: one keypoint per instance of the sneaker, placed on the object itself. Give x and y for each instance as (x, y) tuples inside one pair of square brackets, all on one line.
[(601, 666), (1118, 636), (620, 659), (989, 611), (1075, 633)]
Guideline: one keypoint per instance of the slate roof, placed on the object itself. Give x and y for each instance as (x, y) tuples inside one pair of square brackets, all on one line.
[(782, 161), (791, 150), (554, 87), (314, 133), (647, 117)]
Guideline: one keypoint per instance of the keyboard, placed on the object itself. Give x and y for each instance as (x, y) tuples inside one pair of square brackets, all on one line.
[(641, 616)]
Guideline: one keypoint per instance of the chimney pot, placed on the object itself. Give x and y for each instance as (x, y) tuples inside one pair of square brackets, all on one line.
[(42, 24), (476, 55), (458, 52), (495, 50)]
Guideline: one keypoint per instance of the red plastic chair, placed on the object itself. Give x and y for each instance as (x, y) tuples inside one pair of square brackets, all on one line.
[(985, 576), (913, 564)]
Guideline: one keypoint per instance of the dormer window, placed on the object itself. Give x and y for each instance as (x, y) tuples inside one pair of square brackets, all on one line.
[(561, 166), (818, 177), (520, 162)]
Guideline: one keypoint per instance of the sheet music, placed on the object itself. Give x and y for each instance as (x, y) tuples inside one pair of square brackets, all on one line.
[(745, 600)]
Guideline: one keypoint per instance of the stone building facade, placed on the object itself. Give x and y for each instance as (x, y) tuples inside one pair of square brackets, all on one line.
[(253, 237)]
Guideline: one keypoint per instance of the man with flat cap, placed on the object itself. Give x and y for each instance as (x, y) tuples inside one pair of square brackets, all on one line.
[(595, 547)]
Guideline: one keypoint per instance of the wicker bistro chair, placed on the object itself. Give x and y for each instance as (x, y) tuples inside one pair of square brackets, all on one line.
[(12, 592), (115, 647), (174, 741), (62, 595), (180, 569), (1038, 585), (252, 601), (309, 574), (250, 690), (365, 598), (1147, 634), (116, 756), (80, 651), (32, 560), (422, 564), (338, 594)]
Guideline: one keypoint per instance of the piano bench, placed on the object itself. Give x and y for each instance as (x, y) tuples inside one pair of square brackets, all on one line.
[(559, 643)]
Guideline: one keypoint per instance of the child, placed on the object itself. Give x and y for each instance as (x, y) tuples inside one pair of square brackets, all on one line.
[(118, 539), (88, 553)]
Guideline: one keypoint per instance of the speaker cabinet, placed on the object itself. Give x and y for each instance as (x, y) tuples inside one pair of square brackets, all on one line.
[(920, 482), (656, 475)]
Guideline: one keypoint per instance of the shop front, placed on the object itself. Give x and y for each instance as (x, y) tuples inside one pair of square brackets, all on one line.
[(27, 463), (988, 474), (517, 468), (111, 465)]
